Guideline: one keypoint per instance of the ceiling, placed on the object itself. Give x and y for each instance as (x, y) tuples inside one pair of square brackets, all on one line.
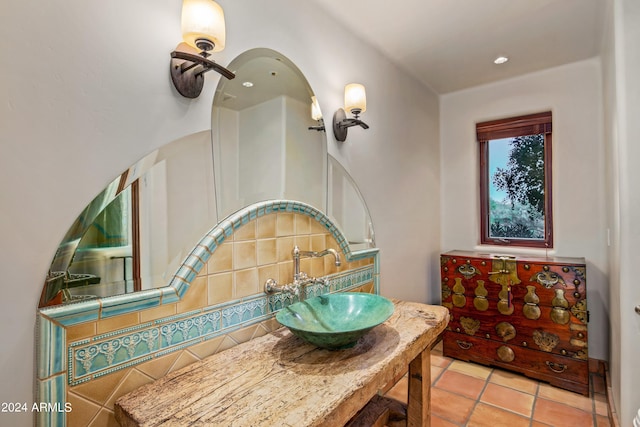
[(450, 45)]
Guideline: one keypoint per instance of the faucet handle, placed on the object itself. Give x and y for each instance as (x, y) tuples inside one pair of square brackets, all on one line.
[(296, 290), (322, 281), (271, 286)]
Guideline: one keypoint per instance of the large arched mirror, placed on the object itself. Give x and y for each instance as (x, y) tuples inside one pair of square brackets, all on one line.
[(263, 147), (139, 229), (135, 234)]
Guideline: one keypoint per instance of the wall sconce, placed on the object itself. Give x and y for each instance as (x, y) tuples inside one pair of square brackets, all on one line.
[(355, 102), (316, 114), (203, 28)]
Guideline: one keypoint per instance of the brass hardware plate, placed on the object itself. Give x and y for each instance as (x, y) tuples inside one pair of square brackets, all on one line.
[(545, 340), (547, 278), (506, 331), (506, 354), (470, 325)]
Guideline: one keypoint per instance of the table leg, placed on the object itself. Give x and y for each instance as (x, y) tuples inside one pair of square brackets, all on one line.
[(418, 406)]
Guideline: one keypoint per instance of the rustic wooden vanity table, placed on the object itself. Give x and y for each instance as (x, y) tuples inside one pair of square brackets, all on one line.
[(279, 380)]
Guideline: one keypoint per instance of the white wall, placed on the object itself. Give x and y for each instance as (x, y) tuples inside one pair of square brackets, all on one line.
[(261, 145), (227, 171), (86, 92), (573, 94), (621, 67), (303, 179), (266, 151)]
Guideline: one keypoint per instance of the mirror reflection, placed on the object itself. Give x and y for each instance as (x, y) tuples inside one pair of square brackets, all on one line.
[(138, 230), (134, 235), (347, 208), (263, 147)]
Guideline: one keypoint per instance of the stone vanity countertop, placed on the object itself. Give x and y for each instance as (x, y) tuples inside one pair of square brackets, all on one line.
[(279, 380)]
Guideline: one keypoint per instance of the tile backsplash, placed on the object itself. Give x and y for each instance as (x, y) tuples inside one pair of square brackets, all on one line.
[(92, 353)]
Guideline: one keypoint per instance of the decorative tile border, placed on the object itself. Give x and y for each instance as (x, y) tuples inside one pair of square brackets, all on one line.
[(120, 349), (100, 308), (52, 392), (244, 312), (48, 339)]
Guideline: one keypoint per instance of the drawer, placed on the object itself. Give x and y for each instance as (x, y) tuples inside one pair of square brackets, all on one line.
[(562, 310), (553, 275), (521, 292), (474, 274), (560, 371), (543, 334)]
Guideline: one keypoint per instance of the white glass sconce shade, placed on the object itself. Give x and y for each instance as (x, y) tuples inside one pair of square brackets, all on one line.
[(355, 98), (316, 114), (203, 19)]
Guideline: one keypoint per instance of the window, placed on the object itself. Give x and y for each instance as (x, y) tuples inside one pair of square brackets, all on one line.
[(515, 181)]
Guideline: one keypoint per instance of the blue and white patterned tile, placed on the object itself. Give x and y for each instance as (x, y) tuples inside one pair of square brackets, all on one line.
[(121, 304), (51, 392), (117, 352), (197, 260), (51, 341), (180, 286), (186, 272), (280, 300), (208, 243), (227, 227), (185, 330), (89, 359), (169, 294), (72, 314), (243, 312)]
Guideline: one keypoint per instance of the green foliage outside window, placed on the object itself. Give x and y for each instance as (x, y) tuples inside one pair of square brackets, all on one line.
[(521, 213)]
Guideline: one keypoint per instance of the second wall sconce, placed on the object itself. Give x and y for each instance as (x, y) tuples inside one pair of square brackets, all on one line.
[(355, 102), (316, 115), (203, 28)]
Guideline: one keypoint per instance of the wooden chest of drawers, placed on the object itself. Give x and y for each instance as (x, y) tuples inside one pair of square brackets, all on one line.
[(524, 314)]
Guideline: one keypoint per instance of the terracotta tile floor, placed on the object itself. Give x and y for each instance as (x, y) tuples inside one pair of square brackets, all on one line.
[(467, 394)]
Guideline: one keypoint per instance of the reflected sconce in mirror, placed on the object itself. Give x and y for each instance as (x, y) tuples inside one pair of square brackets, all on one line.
[(355, 102), (316, 115), (203, 31)]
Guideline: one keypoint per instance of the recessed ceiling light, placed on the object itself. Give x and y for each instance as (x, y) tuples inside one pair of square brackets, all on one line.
[(247, 84), (500, 60)]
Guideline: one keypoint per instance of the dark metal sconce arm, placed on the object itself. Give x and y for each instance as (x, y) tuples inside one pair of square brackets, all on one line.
[(188, 68), (341, 123), (194, 60), (347, 123), (320, 127)]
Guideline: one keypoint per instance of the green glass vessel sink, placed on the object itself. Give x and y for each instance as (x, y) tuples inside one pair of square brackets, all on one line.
[(335, 321)]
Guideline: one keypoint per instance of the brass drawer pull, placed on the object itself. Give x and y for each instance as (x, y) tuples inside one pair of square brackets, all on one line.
[(464, 344), (556, 367)]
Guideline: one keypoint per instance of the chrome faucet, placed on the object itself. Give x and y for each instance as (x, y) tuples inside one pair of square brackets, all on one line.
[(300, 278), (297, 254)]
